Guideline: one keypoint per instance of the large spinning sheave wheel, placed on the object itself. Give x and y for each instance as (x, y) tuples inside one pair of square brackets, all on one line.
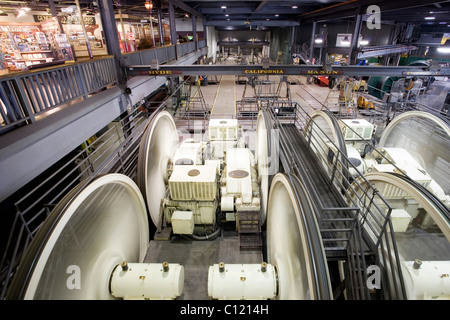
[(156, 152), (263, 154), (290, 244), (427, 235), (427, 139), (327, 134), (95, 227)]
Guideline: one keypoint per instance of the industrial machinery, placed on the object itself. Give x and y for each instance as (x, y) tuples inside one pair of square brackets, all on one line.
[(114, 238), (95, 243), (409, 169)]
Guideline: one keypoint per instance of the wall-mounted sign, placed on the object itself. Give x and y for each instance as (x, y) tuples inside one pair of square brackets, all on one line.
[(163, 72), (72, 19), (263, 71), (322, 72), (344, 40)]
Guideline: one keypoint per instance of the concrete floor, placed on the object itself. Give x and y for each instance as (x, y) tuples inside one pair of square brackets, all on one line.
[(197, 256)]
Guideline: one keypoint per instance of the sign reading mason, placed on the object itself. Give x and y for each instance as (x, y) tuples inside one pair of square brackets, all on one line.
[(322, 72), (264, 71)]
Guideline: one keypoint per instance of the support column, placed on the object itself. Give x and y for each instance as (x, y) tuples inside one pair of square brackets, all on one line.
[(205, 33), (88, 45), (194, 31), (291, 44), (355, 37), (173, 30), (123, 30), (51, 3), (161, 29), (311, 52), (112, 38)]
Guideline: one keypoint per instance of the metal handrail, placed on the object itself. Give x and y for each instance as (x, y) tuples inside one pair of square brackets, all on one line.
[(373, 218), (116, 153), (27, 94)]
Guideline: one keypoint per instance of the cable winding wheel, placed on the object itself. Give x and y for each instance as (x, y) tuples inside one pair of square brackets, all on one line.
[(156, 153), (94, 228)]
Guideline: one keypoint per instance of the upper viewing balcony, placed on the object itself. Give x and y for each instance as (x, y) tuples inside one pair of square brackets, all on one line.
[(52, 58)]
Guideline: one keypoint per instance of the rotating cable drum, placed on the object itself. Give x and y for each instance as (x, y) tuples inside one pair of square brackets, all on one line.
[(339, 219), (329, 144), (427, 138), (295, 165), (418, 228), (156, 153), (266, 157), (294, 244), (77, 239)]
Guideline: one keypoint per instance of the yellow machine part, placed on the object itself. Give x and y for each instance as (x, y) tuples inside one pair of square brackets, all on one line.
[(364, 103)]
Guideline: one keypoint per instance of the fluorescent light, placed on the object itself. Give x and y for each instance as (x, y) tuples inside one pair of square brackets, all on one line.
[(277, 15), (223, 7), (318, 40), (345, 41), (364, 42), (444, 49), (430, 18), (227, 15), (294, 7), (20, 13)]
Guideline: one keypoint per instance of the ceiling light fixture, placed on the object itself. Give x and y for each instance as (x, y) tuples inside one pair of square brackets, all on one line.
[(294, 7), (445, 48), (20, 13), (148, 5), (364, 42), (430, 18), (223, 7), (277, 15), (345, 42)]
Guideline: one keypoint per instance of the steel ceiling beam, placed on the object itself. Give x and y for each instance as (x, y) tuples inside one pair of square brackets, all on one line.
[(260, 70), (185, 7), (347, 9), (243, 23)]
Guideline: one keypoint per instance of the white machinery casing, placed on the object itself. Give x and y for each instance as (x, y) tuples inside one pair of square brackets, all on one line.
[(194, 189), (242, 281), (148, 281), (193, 183), (188, 153)]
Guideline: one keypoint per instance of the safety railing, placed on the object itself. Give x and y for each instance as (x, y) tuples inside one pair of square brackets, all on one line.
[(147, 56), (26, 95), (185, 48), (365, 205), (375, 211), (114, 150)]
